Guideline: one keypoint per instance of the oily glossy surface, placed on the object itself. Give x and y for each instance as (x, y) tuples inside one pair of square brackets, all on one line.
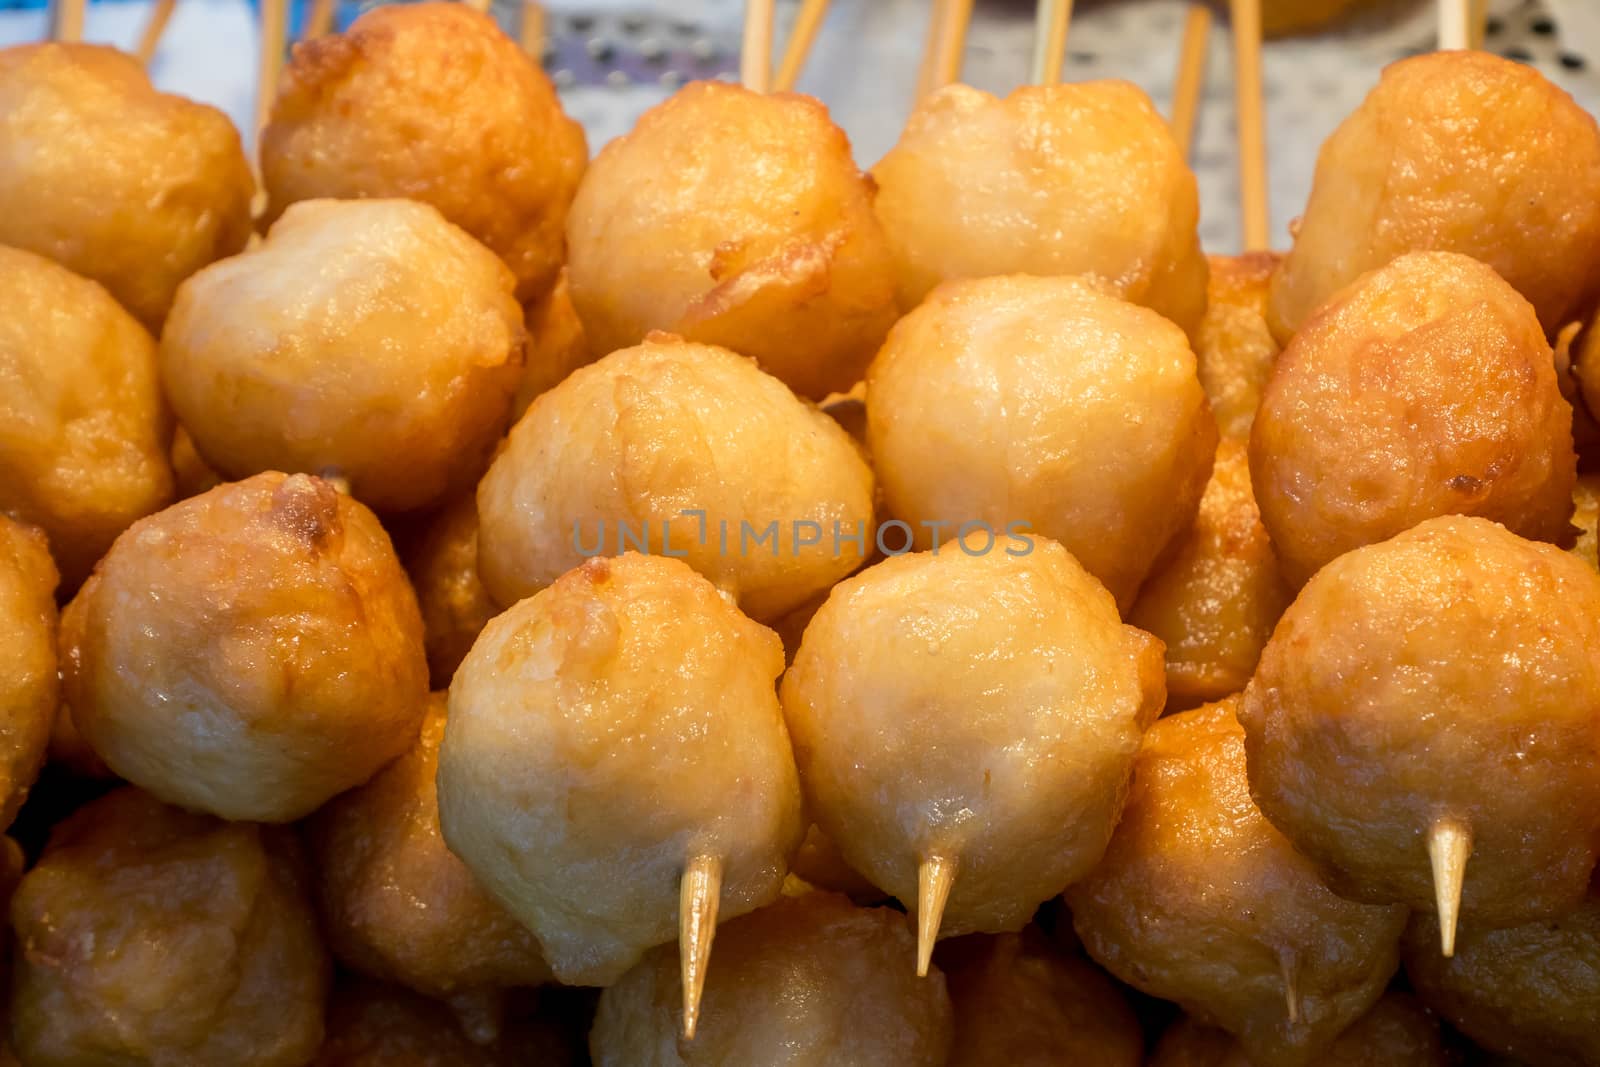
[(248, 652), (602, 734), (809, 981), (1201, 901), (1453, 671), (443, 564), (83, 425), (984, 709), (1044, 401), (1461, 152), (1426, 388), (626, 446), (736, 219), (1233, 349), (369, 339), (1396, 1032), (150, 935), (1062, 179), (29, 691), (430, 102)]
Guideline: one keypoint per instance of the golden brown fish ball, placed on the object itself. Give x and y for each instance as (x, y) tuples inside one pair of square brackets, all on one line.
[(151, 935), (1432, 703), (1011, 401), (1055, 179), (684, 450), (557, 345), (1018, 1000), (1234, 350), (971, 716), (369, 339), (1458, 152), (430, 102), (809, 981), (1215, 602), (83, 426), (1586, 518), (191, 474), (739, 219), (1424, 389), (1396, 1032), (133, 188), (249, 652), (1529, 992), (1201, 901), (29, 692), (443, 564), (375, 1025), (607, 737)]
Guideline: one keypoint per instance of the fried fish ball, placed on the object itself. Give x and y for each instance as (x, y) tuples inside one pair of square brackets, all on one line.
[(1019, 1001), (430, 102), (133, 188), (191, 474), (686, 450), (1424, 389), (376, 1025), (1430, 698), (29, 692), (83, 425), (557, 345), (1234, 350), (1215, 602), (1201, 901), (1530, 992), (1052, 179), (1011, 400), (368, 338), (1459, 152), (808, 981), (971, 714), (249, 652), (154, 936), (443, 565), (605, 735), (1396, 1032), (1586, 518)]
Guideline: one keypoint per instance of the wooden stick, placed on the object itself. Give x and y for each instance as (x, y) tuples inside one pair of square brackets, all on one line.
[(1449, 846), (1477, 23), (154, 27), (952, 43), (698, 896), (320, 22), (755, 57), (66, 19), (533, 29), (1191, 79), (1050, 40), (801, 38), (274, 34), (1246, 15), (1289, 968), (480, 6), (935, 875), (930, 47), (1454, 25)]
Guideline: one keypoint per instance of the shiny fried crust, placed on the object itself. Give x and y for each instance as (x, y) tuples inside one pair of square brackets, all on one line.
[(1060, 179), (1201, 901), (249, 652), (1234, 349), (737, 219), (29, 691), (150, 935), (1461, 152), (1397, 1032), (134, 188), (83, 425), (430, 102), (806, 982)]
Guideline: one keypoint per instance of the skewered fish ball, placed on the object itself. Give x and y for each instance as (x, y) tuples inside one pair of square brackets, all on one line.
[(83, 425), (1424, 389), (443, 565), (557, 345), (1431, 699), (1020, 1001), (1056, 179), (249, 652), (29, 692), (430, 102), (1529, 992), (1461, 152), (1215, 602), (1234, 350), (398, 905), (965, 725), (1008, 400), (685, 450), (1397, 1032), (608, 738), (150, 935), (375, 1025), (369, 339), (133, 188), (808, 980), (1200, 900), (738, 219)]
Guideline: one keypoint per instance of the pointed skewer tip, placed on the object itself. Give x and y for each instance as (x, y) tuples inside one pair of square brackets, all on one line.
[(1449, 846), (934, 878), (698, 896)]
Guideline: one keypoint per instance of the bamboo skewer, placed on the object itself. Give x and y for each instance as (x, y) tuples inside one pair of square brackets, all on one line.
[(947, 43), (698, 896), (1191, 78), (320, 22), (66, 20), (532, 37), (480, 6), (274, 35), (1449, 847), (1477, 23), (154, 27), (935, 875), (1050, 40), (1455, 20), (801, 37), (1246, 18), (755, 57)]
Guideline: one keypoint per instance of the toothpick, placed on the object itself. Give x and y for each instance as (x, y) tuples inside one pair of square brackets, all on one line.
[(1050, 40), (755, 57), (698, 896), (1246, 16), (1191, 78), (154, 27), (952, 43), (274, 34), (935, 875), (533, 30), (801, 38), (320, 22), (66, 20), (1449, 846), (1455, 21)]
